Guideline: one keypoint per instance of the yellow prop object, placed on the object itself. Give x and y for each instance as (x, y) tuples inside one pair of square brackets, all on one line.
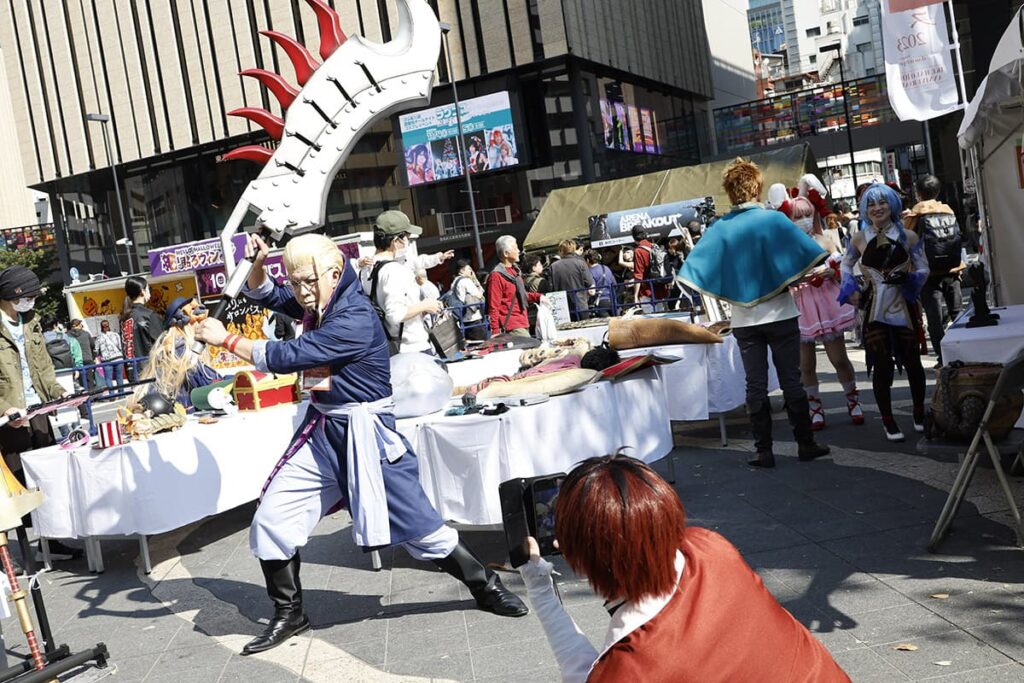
[(16, 501)]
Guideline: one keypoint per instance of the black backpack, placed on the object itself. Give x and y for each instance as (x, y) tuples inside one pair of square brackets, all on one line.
[(658, 268), (394, 343), (60, 353), (942, 241)]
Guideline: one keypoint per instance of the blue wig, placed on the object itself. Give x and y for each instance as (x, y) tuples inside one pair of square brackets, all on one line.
[(882, 192)]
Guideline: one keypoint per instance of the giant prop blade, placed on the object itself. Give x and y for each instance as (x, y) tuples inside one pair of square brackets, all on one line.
[(358, 84)]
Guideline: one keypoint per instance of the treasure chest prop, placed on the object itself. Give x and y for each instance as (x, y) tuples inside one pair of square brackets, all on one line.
[(259, 390), (961, 397)]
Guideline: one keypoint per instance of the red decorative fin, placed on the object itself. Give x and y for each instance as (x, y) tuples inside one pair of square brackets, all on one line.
[(274, 125), (300, 57), (256, 153), (331, 35), (283, 91)]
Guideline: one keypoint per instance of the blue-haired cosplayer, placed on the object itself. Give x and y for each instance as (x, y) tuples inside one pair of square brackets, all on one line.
[(895, 267), (347, 451)]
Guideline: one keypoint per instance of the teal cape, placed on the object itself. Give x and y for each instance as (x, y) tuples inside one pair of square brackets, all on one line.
[(750, 256)]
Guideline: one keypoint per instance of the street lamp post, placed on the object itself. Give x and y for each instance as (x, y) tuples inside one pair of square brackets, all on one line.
[(445, 28), (846, 112), (103, 120)]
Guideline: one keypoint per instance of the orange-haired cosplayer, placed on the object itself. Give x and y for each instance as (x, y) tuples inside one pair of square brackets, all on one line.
[(684, 605)]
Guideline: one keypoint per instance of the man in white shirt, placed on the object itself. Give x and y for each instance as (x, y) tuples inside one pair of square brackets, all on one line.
[(392, 287)]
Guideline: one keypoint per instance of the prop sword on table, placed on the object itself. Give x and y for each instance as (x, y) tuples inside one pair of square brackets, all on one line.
[(67, 401), (338, 101)]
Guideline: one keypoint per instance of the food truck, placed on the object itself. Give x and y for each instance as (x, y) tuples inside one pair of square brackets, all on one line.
[(195, 269)]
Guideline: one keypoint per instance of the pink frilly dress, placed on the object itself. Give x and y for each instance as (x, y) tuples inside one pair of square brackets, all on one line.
[(822, 317)]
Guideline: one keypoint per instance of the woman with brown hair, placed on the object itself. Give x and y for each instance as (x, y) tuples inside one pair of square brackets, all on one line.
[(684, 604)]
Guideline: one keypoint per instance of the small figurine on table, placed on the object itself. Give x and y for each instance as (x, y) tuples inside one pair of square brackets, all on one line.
[(977, 278)]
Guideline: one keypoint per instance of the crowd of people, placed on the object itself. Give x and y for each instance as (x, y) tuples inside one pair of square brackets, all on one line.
[(796, 273)]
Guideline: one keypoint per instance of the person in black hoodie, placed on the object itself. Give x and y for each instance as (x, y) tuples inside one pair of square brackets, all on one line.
[(140, 326)]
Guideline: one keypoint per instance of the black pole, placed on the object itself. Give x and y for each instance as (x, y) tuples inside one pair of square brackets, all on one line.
[(849, 124), (49, 673), (60, 653)]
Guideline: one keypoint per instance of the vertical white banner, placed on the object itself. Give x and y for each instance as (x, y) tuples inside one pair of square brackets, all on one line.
[(919, 62)]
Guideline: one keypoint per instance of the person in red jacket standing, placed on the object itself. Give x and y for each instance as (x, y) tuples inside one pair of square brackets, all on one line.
[(507, 298)]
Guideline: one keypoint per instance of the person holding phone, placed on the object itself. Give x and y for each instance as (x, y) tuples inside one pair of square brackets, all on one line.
[(667, 586), (347, 452)]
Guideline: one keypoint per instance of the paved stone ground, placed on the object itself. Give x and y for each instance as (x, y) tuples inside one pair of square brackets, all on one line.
[(840, 542)]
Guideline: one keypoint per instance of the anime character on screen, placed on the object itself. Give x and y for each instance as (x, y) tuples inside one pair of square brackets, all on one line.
[(501, 148), (446, 164), (418, 163), (477, 158)]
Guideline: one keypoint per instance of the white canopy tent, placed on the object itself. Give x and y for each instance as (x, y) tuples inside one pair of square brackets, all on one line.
[(991, 134)]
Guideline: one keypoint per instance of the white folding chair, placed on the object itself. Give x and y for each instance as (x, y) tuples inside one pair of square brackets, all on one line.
[(1010, 379)]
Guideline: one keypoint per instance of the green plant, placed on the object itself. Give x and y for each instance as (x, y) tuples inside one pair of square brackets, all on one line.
[(42, 262)]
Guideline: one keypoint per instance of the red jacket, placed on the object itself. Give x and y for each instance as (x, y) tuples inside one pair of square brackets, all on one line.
[(641, 262), (721, 625), (501, 296)]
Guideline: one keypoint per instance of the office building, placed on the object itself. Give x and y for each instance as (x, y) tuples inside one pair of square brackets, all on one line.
[(583, 90)]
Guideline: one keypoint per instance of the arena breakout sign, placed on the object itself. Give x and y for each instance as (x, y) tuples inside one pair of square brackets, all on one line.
[(663, 220), (430, 139)]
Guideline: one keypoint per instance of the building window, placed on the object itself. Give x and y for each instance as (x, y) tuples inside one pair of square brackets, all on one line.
[(864, 48), (861, 21), (813, 59), (814, 32)]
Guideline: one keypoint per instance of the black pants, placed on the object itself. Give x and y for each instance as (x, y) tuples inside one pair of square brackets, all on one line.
[(783, 338), (14, 442), (936, 292), (886, 344)]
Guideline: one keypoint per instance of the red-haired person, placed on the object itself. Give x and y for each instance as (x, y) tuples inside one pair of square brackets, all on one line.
[(684, 604)]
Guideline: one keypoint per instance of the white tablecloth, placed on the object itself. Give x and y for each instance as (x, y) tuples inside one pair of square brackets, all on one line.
[(496, 364), (707, 379), (996, 344), (150, 487)]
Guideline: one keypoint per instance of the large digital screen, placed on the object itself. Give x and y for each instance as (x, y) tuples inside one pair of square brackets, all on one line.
[(627, 126), (430, 139)]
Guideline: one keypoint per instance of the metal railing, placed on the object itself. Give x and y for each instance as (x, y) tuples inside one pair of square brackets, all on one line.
[(462, 221), (112, 374), (667, 294)]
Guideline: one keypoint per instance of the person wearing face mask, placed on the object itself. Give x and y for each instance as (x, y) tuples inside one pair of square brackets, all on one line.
[(347, 451), (28, 377), (394, 222), (140, 325), (25, 366), (391, 285), (822, 317)]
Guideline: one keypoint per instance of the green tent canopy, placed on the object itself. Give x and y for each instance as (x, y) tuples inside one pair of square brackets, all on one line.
[(566, 212)]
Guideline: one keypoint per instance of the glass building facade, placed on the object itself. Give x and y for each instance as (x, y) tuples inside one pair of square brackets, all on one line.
[(574, 123)]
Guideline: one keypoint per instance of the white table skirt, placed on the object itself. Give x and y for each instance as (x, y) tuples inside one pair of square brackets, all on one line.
[(709, 378), (995, 344), (150, 487)]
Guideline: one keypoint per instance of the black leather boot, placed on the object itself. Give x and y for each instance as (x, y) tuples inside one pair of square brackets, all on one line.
[(808, 449), (285, 589), (485, 586), (761, 423)]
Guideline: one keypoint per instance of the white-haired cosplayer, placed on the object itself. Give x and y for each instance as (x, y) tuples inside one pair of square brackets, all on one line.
[(347, 452)]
